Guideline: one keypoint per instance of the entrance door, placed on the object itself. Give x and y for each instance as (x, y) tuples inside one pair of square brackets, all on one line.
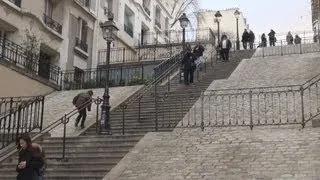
[(44, 65)]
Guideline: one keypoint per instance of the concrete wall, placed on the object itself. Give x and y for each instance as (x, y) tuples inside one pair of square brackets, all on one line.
[(15, 84)]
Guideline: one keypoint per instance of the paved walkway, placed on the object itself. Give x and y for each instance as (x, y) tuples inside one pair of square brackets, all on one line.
[(60, 102), (285, 153), (272, 71)]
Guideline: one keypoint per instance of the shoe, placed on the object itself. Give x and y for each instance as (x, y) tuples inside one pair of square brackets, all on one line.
[(76, 123), (82, 127)]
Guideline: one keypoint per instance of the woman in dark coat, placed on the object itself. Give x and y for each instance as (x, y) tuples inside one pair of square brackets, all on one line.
[(29, 160)]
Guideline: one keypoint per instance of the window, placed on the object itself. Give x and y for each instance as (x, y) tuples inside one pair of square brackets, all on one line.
[(128, 21), (167, 27), (16, 2), (48, 8), (81, 39), (158, 17)]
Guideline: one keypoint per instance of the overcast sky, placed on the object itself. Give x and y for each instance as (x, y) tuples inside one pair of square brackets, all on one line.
[(262, 15)]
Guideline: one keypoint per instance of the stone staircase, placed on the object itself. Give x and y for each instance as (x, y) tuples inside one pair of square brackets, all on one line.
[(91, 157)]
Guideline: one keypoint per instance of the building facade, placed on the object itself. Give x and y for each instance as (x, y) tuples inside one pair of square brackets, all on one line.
[(206, 19), (315, 10)]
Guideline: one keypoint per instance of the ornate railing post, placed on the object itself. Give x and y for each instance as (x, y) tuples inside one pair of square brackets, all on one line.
[(251, 115), (281, 48), (202, 111), (42, 111), (302, 107), (156, 106)]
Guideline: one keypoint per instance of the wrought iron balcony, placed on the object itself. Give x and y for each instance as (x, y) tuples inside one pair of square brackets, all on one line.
[(157, 23), (16, 2), (128, 29), (52, 23), (84, 3), (82, 44), (146, 9)]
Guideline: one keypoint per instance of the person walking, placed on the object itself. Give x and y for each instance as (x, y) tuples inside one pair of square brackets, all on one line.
[(198, 52), (272, 37), (189, 65), (297, 39), (29, 161), (251, 39), (225, 45), (263, 40), (245, 38), (289, 38), (38, 149), (82, 102)]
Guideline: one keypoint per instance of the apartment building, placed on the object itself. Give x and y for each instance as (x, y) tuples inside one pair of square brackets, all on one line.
[(315, 10), (67, 33), (206, 19)]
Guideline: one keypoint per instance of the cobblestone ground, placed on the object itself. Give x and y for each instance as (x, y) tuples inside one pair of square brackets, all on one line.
[(265, 153), (59, 103), (272, 71)]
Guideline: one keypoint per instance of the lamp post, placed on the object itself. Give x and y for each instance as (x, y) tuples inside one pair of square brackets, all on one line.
[(108, 31), (184, 21), (237, 14), (218, 19)]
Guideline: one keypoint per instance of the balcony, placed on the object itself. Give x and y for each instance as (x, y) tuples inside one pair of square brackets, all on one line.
[(157, 23), (82, 44), (146, 9), (84, 3), (128, 29), (52, 23), (16, 2)]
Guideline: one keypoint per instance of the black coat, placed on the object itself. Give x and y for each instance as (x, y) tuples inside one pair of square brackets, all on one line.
[(245, 37), (198, 50), (188, 61), (229, 44), (33, 164)]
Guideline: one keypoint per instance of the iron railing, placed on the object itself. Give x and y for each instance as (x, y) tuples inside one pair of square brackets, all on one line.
[(278, 105), (20, 57), (146, 9), (84, 3), (96, 78), (8, 103), (52, 23), (151, 53), (82, 44), (25, 117), (165, 65)]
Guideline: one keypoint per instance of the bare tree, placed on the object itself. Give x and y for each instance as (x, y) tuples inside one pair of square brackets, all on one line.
[(178, 8)]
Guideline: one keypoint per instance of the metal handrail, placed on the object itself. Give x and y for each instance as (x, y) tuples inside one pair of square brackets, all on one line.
[(62, 120)]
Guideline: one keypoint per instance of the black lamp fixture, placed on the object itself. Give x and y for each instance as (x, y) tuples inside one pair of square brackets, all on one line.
[(109, 30)]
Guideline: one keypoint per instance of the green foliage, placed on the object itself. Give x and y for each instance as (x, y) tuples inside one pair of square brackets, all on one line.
[(31, 43), (137, 80)]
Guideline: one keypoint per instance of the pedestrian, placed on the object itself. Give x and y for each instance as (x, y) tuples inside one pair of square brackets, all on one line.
[(289, 38), (198, 52), (189, 65), (29, 161), (251, 39), (245, 38), (263, 40), (225, 46), (272, 37), (297, 39), (82, 102)]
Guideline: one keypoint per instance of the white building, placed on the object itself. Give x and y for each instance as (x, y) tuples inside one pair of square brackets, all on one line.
[(206, 19)]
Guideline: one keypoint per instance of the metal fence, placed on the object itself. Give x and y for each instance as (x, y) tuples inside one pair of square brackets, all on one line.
[(96, 77), (24, 118), (33, 63), (281, 105)]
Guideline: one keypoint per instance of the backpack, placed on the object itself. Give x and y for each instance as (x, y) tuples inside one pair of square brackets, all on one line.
[(75, 99)]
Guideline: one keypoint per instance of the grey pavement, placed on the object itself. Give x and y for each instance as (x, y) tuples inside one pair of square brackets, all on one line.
[(283, 153)]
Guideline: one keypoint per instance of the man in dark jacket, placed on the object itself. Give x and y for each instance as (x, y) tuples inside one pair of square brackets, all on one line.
[(82, 101), (251, 39), (225, 45), (188, 66), (272, 37), (198, 52), (245, 39)]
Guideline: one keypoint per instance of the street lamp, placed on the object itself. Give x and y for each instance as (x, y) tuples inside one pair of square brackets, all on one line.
[(184, 21), (218, 19), (108, 31), (237, 14)]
